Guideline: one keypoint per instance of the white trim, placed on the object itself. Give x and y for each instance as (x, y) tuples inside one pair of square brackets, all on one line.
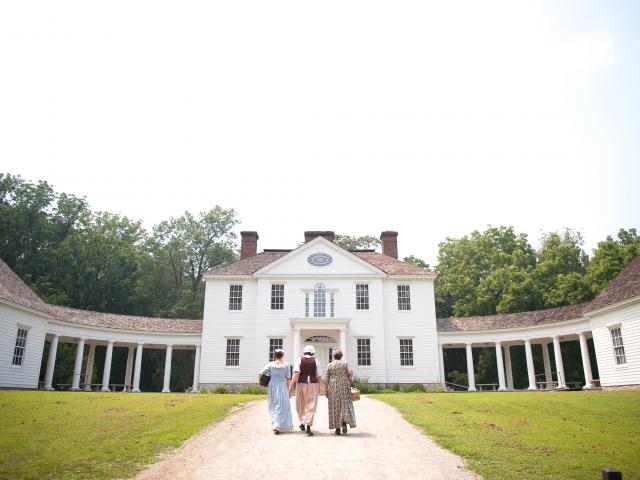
[(614, 306)]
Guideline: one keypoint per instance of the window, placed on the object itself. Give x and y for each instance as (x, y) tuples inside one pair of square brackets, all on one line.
[(233, 352), (618, 346), (406, 352), (274, 343), (404, 297), (306, 304), (319, 301), (21, 343), (277, 297), (362, 297), (333, 305), (235, 297), (364, 351)]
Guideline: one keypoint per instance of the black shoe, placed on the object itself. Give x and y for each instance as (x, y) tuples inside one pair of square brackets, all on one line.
[(309, 432), (276, 432), (302, 427), (344, 428), (337, 431)]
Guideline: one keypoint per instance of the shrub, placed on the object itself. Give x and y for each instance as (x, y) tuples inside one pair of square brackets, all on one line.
[(204, 390), (364, 386), (458, 378), (416, 387), (221, 390), (253, 390)]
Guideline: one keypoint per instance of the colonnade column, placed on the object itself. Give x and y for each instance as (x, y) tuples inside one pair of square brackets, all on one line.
[(530, 369), (548, 377), (499, 362), (136, 373), (77, 368), (51, 363), (129, 370), (167, 369), (557, 353), (586, 362), (343, 342), (88, 373), (196, 371), (443, 380), (106, 375), (296, 344), (507, 363), (470, 372)]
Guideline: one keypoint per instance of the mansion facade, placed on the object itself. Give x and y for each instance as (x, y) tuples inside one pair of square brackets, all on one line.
[(379, 310)]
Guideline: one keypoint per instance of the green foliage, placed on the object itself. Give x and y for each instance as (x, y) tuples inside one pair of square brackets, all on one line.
[(362, 384), (418, 262), (416, 388), (458, 378), (221, 390), (610, 258), (356, 243), (253, 390), (532, 435)]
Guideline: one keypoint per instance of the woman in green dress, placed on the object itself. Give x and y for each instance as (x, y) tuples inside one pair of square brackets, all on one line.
[(338, 378)]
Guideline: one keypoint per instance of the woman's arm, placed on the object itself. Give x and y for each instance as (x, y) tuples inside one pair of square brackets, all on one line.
[(293, 380)]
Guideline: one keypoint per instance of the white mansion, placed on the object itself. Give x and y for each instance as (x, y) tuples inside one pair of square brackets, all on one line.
[(378, 310)]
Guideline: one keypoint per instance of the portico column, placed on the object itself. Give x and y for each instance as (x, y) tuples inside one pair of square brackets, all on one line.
[(501, 382), (343, 342), (77, 368), (557, 353), (88, 373), (507, 363), (196, 371), (167, 369), (296, 344), (586, 362), (470, 372), (548, 377), (530, 369), (51, 363), (129, 370), (443, 380), (106, 375), (136, 373)]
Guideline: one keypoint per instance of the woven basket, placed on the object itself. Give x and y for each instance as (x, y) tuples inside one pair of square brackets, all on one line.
[(355, 394)]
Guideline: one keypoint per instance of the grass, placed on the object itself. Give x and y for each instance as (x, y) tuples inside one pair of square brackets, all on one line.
[(98, 435), (524, 435)]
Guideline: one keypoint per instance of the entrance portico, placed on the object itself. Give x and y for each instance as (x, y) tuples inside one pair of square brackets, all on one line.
[(325, 334)]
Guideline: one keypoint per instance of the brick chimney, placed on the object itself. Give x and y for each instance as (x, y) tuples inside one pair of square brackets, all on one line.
[(310, 235), (389, 242), (248, 244)]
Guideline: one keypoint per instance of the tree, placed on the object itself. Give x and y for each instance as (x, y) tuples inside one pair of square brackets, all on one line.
[(356, 243), (418, 262), (610, 257)]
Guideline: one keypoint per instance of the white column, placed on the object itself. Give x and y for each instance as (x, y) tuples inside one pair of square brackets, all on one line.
[(88, 373), (443, 380), (296, 344), (507, 364), (51, 363), (343, 342), (557, 353), (470, 372), (586, 362), (530, 369), (548, 377), (77, 368), (167, 369), (107, 367), (136, 373), (129, 370), (196, 371), (499, 362)]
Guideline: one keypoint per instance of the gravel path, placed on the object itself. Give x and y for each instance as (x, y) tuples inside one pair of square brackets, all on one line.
[(242, 446)]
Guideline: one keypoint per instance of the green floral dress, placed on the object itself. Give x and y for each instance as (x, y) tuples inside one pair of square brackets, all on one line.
[(340, 402)]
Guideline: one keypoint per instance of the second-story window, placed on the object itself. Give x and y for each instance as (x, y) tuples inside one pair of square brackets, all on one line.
[(404, 297), (362, 297), (277, 297), (235, 297), (319, 301)]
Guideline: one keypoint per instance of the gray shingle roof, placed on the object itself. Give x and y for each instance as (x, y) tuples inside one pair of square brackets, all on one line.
[(12, 288), (624, 286)]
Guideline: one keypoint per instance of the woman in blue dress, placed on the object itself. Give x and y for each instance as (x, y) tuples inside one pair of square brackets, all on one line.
[(279, 405)]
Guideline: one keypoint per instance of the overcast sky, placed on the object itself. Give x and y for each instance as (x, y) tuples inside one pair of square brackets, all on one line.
[(433, 119)]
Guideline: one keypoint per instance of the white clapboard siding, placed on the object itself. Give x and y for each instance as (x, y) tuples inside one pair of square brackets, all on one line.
[(26, 375), (628, 318)]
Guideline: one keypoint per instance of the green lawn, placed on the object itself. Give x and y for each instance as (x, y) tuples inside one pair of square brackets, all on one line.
[(524, 435), (98, 435)]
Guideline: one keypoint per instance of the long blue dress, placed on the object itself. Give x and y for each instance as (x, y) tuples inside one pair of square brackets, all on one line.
[(279, 405)]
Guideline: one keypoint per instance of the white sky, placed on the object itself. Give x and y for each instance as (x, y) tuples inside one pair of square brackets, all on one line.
[(433, 119)]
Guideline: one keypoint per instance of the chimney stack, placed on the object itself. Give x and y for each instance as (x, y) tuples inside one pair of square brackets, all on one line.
[(310, 235), (389, 242), (248, 244)]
